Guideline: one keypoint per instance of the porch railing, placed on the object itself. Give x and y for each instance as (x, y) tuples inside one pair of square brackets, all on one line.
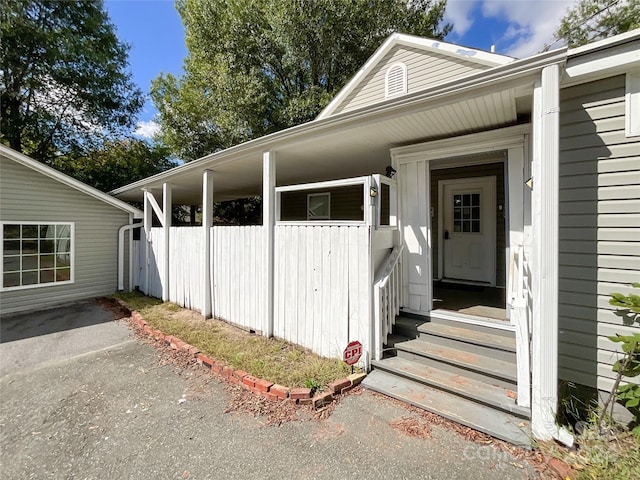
[(387, 295), (518, 286)]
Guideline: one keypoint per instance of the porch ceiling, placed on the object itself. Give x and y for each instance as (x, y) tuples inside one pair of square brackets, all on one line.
[(337, 149)]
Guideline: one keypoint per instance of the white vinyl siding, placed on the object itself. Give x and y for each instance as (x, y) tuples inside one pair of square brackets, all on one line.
[(599, 227), (423, 70), (29, 196)]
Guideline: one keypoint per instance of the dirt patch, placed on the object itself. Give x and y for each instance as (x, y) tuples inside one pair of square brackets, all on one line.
[(534, 457), (274, 413), (412, 426), (111, 304)]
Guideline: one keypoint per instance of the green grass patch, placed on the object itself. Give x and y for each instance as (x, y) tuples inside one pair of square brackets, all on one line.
[(269, 358)]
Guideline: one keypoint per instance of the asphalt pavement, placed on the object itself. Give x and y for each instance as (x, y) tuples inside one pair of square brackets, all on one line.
[(81, 398)]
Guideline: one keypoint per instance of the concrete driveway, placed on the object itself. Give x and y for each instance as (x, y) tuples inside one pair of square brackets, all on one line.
[(81, 398)]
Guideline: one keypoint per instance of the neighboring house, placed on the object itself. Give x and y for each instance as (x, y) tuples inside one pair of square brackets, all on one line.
[(59, 236), (513, 213)]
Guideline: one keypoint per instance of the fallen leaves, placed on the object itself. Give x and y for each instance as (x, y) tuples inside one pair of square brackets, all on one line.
[(412, 426), (276, 413)]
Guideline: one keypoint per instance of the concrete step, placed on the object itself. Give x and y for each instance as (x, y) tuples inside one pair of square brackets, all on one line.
[(467, 387), (496, 423), (486, 343), (475, 365)]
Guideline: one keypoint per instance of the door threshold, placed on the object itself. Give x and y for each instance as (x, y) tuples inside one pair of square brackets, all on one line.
[(471, 319), (456, 281)]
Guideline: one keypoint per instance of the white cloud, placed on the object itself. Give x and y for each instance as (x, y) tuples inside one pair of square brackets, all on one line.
[(147, 129), (531, 23), (458, 12)]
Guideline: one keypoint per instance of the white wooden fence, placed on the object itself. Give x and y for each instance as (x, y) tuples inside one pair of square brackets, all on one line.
[(322, 283), (238, 275), (322, 286)]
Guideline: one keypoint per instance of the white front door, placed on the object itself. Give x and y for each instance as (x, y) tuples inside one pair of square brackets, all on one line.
[(468, 233)]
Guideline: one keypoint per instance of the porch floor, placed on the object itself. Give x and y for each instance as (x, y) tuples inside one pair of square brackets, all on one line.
[(470, 299)]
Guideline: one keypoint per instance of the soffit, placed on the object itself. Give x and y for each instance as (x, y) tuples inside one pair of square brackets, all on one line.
[(343, 151)]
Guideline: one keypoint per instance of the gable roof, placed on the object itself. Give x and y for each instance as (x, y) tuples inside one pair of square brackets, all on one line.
[(67, 180), (425, 44)]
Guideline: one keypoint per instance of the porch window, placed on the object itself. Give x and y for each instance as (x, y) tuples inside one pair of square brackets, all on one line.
[(466, 213), (319, 206), (35, 254)]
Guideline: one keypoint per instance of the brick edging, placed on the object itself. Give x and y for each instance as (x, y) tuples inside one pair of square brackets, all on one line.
[(259, 386)]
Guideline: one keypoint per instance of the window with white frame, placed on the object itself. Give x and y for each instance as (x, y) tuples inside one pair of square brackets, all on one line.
[(396, 80), (632, 105), (319, 206), (35, 254)]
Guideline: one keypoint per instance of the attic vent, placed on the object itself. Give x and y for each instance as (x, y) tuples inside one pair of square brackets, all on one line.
[(396, 80)]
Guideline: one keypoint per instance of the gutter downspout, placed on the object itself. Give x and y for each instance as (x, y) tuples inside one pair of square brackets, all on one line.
[(544, 403), (121, 231)]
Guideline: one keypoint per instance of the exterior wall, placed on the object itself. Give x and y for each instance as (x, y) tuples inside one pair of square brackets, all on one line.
[(424, 69), (599, 227), (484, 170), (346, 203), (26, 195)]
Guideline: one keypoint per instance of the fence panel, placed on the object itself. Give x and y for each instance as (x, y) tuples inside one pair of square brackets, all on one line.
[(238, 275), (322, 286), (186, 266)]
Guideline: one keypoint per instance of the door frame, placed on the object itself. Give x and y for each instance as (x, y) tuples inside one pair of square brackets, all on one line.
[(422, 157), (491, 180)]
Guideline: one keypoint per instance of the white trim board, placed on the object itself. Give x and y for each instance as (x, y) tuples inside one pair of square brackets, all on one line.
[(483, 142)]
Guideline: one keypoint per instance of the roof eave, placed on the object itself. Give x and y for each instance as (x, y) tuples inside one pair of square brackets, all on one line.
[(480, 80)]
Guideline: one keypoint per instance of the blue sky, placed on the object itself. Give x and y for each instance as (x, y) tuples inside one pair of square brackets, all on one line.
[(154, 30)]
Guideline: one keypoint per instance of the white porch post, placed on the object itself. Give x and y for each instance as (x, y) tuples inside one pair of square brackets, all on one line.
[(166, 226), (546, 117), (268, 223), (148, 219), (207, 223)]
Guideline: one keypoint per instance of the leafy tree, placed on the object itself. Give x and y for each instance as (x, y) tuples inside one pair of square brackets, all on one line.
[(258, 66), (116, 163), (64, 82), (591, 20)]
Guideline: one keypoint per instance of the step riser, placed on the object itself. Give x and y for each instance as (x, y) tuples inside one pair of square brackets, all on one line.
[(471, 326), (477, 375), (470, 347), (405, 331), (425, 381)]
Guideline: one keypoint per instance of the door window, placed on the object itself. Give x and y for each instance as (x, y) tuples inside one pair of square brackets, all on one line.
[(466, 213)]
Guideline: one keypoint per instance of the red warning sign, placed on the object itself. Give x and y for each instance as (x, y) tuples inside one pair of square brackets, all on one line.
[(352, 353)]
